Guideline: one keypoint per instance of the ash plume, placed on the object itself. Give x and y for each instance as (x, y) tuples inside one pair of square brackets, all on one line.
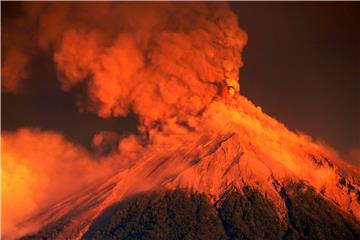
[(158, 60), (162, 61)]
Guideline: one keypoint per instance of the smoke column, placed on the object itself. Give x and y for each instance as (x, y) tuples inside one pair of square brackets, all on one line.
[(160, 61)]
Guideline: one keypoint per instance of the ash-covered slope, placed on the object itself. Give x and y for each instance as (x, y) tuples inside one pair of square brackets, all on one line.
[(232, 147)]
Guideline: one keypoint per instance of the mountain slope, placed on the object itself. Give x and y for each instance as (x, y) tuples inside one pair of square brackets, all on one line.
[(231, 147), (245, 214)]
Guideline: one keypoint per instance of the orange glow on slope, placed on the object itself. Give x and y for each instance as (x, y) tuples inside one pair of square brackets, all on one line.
[(231, 144)]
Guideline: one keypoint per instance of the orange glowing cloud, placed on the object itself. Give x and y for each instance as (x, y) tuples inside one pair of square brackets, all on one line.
[(167, 68), (39, 169), (135, 56)]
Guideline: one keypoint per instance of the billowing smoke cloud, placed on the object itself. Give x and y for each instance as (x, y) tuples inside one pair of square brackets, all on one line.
[(158, 60), (17, 48), (40, 168)]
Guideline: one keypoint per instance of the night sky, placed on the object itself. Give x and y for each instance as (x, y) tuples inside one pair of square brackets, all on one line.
[(302, 66)]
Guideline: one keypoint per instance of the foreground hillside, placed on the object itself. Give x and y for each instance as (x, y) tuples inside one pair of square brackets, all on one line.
[(245, 214)]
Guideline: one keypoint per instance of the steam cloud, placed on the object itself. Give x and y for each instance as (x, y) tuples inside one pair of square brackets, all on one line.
[(158, 60)]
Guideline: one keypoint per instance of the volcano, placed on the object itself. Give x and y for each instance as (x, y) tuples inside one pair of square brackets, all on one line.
[(242, 175), (203, 161)]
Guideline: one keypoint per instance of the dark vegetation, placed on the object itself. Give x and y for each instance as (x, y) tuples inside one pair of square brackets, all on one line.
[(169, 215), (50, 231), (247, 215), (310, 217)]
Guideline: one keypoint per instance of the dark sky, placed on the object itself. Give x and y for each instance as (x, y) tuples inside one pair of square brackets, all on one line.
[(302, 66)]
